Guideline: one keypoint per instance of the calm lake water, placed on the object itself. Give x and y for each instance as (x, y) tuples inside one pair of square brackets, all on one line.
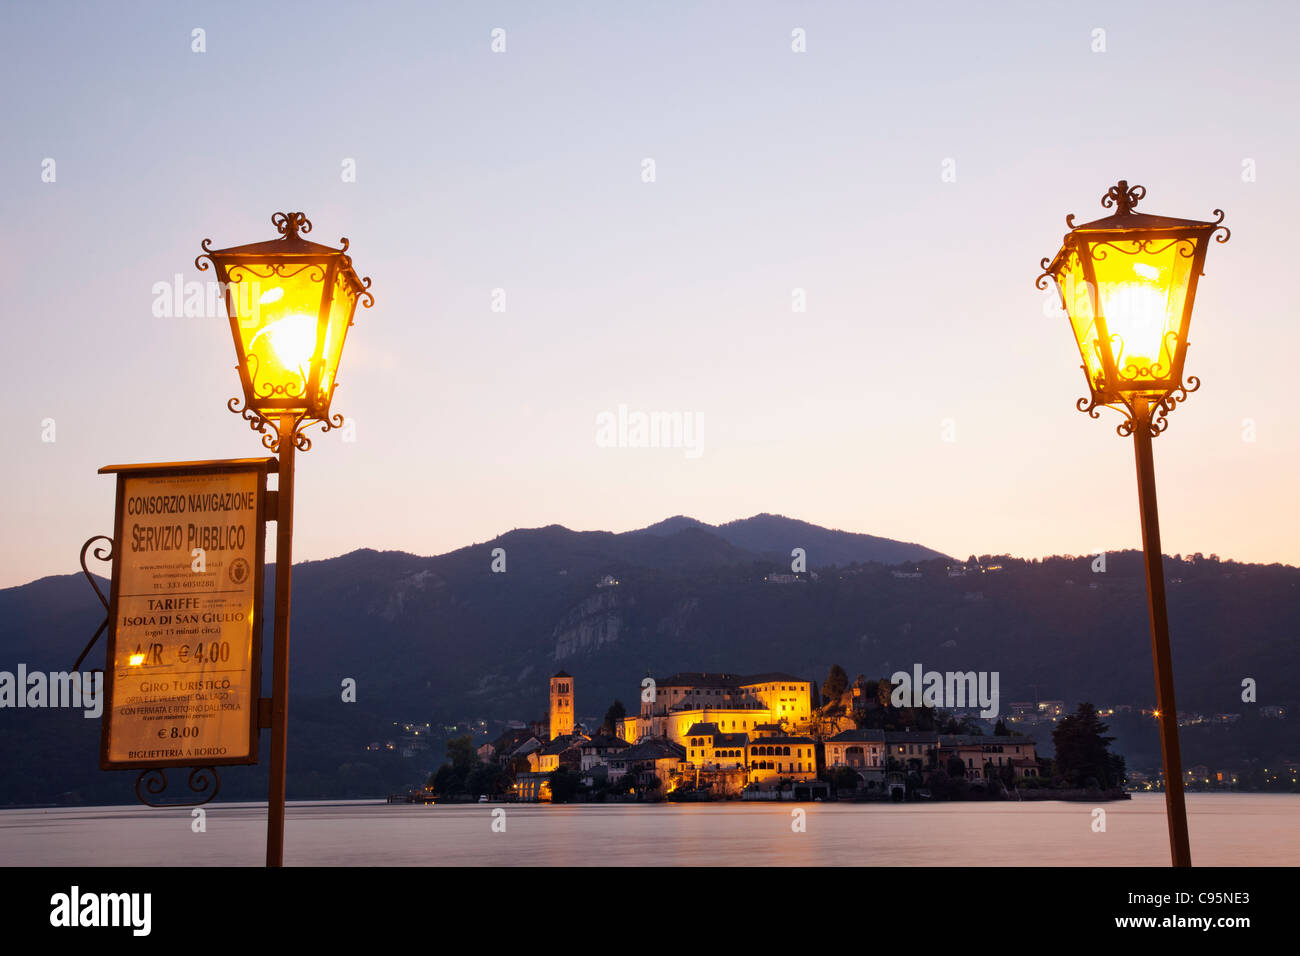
[(1226, 829)]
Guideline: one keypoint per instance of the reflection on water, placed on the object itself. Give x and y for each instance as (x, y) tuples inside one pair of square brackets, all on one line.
[(1226, 829)]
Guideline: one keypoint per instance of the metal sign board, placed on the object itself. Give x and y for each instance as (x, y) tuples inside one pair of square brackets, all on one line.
[(185, 614)]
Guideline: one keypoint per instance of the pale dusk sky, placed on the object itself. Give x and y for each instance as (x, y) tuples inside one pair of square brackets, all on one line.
[(774, 171)]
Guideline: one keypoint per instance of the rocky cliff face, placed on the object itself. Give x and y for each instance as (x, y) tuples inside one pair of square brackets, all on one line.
[(390, 603), (594, 621), (676, 624)]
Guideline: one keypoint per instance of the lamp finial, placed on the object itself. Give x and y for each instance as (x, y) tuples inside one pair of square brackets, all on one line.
[(1123, 197), (289, 224)]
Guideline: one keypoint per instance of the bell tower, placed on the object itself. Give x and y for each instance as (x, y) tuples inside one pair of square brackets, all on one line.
[(561, 704)]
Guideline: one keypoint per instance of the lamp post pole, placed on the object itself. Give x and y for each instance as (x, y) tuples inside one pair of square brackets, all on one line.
[(280, 666), (1175, 808)]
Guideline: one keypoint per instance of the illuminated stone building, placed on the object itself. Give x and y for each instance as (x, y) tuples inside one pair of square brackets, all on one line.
[(532, 787), (628, 729), (561, 705), (710, 749), (780, 757), (769, 754), (716, 730), (561, 751), (534, 784), (677, 726), (545, 749), (734, 703)]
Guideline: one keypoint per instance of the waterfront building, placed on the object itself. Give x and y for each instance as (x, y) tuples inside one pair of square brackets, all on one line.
[(709, 748), (776, 756), (654, 757), (597, 750), (914, 751), (562, 751), (862, 750), (986, 756)]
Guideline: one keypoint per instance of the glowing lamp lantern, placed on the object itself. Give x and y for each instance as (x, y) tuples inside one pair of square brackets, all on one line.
[(1127, 283), (290, 302)]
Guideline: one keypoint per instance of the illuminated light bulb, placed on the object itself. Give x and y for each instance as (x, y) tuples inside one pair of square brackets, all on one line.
[(136, 660), (292, 338), (1135, 311), (271, 295)]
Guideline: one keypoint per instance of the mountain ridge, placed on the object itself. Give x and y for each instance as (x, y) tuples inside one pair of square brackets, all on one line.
[(446, 638)]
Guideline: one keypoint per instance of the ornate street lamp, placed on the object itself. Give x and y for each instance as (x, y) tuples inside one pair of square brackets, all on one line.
[(1127, 283), (290, 304)]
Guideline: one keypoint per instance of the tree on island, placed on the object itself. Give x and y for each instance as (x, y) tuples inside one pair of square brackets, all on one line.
[(461, 752), (888, 717), (948, 724), (940, 784), (884, 693), (615, 713), (452, 777), (1000, 729), (1083, 754), (845, 778), (837, 681), (490, 779), (1007, 774), (564, 785)]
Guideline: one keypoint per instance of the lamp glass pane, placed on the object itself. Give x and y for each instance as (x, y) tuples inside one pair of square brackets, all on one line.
[(1141, 287), (342, 305), (1076, 296), (277, 311)]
